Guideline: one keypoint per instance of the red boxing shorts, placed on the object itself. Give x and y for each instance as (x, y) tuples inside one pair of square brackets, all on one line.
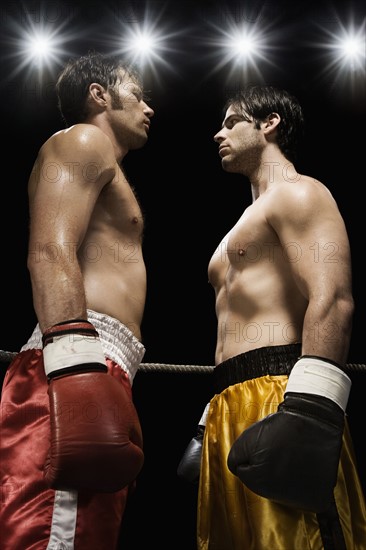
[(33, 516)]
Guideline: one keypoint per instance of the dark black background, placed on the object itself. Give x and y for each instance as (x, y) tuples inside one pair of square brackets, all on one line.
[(189, 203)]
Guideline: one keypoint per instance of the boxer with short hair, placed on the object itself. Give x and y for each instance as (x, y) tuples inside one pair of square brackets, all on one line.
[(273, 454), (71, 441)]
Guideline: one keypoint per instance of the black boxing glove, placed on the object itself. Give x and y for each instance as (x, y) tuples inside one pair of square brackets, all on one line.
[(292, 455), (96, 439), (190, 465)]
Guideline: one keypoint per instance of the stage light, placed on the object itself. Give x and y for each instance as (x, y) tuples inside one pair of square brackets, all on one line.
[(36, 46), (40, 49), (145, 42), (343, 53), (142, 45), (350, 49), (241, 49)]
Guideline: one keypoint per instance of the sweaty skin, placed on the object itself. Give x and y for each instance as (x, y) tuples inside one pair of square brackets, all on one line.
[(86, 225), (282, 274)]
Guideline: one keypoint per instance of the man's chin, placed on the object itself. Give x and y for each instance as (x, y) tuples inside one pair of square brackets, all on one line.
[(139, 143), (226, 164)]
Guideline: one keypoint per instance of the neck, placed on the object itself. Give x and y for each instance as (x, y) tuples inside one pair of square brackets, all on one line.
[(272, 170)]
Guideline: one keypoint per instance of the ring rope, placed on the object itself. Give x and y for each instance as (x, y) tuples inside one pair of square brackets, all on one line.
[(8, 356)]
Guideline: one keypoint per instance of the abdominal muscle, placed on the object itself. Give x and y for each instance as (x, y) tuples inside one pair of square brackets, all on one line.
[(238, 334), (258, 317)]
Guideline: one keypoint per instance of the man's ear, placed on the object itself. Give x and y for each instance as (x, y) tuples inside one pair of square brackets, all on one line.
[(271, 122), (98, 94)]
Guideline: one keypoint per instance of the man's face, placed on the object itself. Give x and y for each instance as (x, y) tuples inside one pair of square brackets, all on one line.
[(130, 114), (238, 142)]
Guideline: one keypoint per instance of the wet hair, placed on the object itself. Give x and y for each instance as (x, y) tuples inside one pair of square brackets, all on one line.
[(74, 80), (256, 102)]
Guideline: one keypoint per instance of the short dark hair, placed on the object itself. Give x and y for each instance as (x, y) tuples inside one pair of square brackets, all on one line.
[(258, 101), (74, 80)]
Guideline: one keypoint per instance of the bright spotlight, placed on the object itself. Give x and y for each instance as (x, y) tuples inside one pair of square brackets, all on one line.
[(37, 44), (352, 49), (39, 47), (345, 50), (142, 45), (244, 48)]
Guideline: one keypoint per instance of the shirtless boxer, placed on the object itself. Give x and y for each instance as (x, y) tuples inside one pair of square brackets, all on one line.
[(71, 442), (273, 455)]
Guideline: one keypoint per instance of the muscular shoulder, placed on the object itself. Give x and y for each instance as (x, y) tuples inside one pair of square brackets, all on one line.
[(79, 143), (300, 200), (78, 156)]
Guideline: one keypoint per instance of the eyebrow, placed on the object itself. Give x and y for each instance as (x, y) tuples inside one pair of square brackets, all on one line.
[(234, 115)]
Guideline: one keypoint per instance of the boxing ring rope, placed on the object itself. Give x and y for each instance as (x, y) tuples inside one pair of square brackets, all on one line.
[(7, 357)]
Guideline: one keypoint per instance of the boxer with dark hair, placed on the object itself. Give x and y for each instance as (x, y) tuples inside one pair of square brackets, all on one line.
[(71, 441), (273, 456)]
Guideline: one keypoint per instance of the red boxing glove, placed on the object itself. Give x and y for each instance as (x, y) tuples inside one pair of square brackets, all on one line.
[(96, 439)]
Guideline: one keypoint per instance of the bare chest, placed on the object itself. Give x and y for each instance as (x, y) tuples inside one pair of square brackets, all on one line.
[(249, 243), (118, 208)]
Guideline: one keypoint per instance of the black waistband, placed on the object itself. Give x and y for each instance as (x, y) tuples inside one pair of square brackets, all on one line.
[(272, 360)]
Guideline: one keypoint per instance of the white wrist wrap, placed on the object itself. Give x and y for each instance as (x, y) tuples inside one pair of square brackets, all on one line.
[(318, 377), (203, 419), (71, 349)]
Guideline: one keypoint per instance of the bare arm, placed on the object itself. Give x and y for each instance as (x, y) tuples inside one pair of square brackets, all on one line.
[(319, 258), (70, 171)]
